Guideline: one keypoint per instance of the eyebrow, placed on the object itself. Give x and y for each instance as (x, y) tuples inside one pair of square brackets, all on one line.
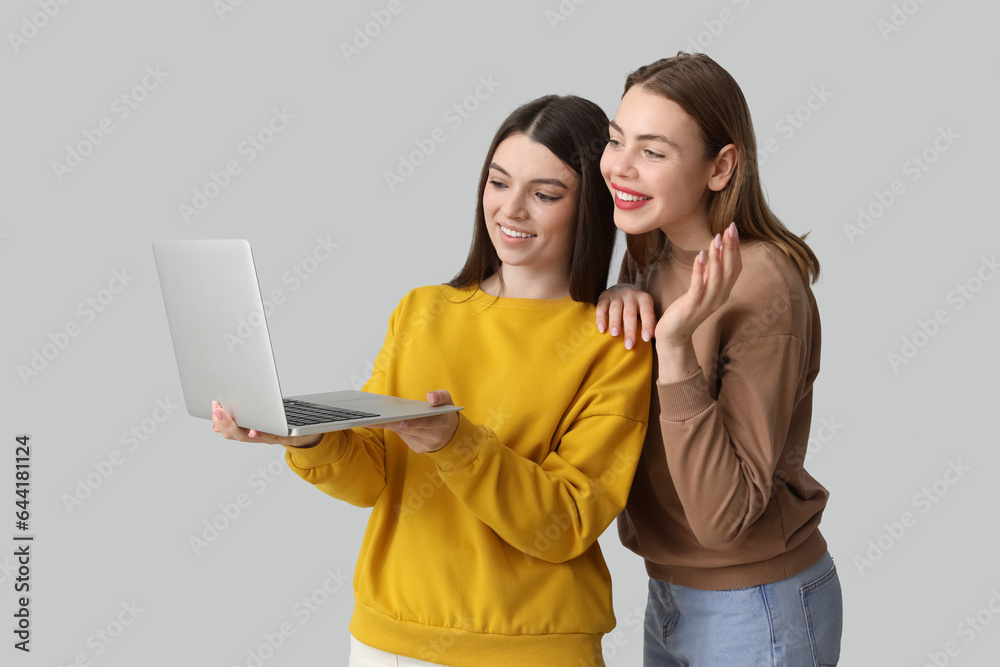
[(543, 181), (647, 137)]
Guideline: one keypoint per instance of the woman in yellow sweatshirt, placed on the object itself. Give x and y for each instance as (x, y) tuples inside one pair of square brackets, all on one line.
[(481, 548)]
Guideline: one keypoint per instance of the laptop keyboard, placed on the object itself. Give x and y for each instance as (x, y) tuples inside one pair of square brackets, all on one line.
[(300, 413)]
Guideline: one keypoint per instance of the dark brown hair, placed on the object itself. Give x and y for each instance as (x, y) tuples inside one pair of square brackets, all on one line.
[(576, 131), (710, 95)]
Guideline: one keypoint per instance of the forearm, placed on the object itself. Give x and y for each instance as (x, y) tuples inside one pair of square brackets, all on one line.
[(722, 451), (555, 511), (676, 361), (348, 465), (721, 493)]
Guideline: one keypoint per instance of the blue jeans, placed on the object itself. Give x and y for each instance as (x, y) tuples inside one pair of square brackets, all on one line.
[(795, 622)]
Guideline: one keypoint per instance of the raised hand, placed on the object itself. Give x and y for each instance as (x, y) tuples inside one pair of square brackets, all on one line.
[(712, 278)]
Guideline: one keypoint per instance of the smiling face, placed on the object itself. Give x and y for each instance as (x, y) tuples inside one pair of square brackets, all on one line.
[(529, 204), (656, 169)]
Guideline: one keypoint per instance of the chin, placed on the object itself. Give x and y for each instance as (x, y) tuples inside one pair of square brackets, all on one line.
[(630, 223)]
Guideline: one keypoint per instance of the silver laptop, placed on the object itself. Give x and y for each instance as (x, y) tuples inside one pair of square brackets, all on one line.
[(219, 331)]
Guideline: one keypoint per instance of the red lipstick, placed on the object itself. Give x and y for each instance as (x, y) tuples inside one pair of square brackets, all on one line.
[(625, 204)]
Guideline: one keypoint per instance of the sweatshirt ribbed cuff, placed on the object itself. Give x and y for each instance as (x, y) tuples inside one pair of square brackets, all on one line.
[(463, 448), (330, 449), (685, 398)]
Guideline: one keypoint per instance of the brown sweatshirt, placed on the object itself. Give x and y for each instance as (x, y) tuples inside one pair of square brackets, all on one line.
[(720, 499)]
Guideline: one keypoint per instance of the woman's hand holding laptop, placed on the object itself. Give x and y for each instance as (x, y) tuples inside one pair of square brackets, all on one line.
[(224, 424), (425, 434)]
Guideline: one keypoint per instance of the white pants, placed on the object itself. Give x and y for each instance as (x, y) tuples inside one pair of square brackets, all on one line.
[(363, 655)]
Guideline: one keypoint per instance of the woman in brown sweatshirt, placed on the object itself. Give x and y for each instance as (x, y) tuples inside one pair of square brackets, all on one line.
[(721, 509)]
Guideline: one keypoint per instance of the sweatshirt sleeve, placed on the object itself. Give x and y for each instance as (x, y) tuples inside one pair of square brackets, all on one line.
[(557, 509), (350, 464), (722, 453)]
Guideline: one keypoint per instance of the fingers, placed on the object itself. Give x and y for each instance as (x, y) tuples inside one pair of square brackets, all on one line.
[(615, 308), (647, 315), (224, 424), (603, 302), (630, 322), (637, 310), (618, 309), (698, 273), (423, 424), (425, 434), (713, 272), (723, 267), (439, 397), (412, 424)]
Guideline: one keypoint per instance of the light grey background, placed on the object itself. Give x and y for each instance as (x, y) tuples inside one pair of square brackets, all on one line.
[(890, 431)]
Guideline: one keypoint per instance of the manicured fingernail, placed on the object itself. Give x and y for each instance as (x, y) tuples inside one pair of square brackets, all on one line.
[(215, 404), (215, 428), (614, 331), (600, 327), (701, 257), (253, 434), (718, 241), (733, 232), (629, 343), (218, 413), (646, 336)]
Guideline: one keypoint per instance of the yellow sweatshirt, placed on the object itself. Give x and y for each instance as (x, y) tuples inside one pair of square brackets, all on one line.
[(485, 552)]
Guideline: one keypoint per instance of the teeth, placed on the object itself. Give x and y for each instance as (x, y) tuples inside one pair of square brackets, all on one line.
[(516, 235), (624, 196)]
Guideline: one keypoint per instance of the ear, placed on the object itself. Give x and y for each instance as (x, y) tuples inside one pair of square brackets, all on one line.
[(723, 167)]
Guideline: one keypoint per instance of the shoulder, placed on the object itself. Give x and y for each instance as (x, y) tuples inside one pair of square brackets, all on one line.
[(422, 305), (608, 351), (770, 297), (570, 327), (612, 380), (435, 294)]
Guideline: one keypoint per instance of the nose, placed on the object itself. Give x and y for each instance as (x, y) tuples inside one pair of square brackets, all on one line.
[(513, 207), (620, 162)]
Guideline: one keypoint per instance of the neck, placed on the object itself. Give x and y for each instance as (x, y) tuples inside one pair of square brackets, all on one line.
[(692, 233), (525, 283), (699, 238)]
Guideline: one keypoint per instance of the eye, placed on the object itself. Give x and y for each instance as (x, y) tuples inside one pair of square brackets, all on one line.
[(497, 185), (652, 154), (614, 143), (546, 198)]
